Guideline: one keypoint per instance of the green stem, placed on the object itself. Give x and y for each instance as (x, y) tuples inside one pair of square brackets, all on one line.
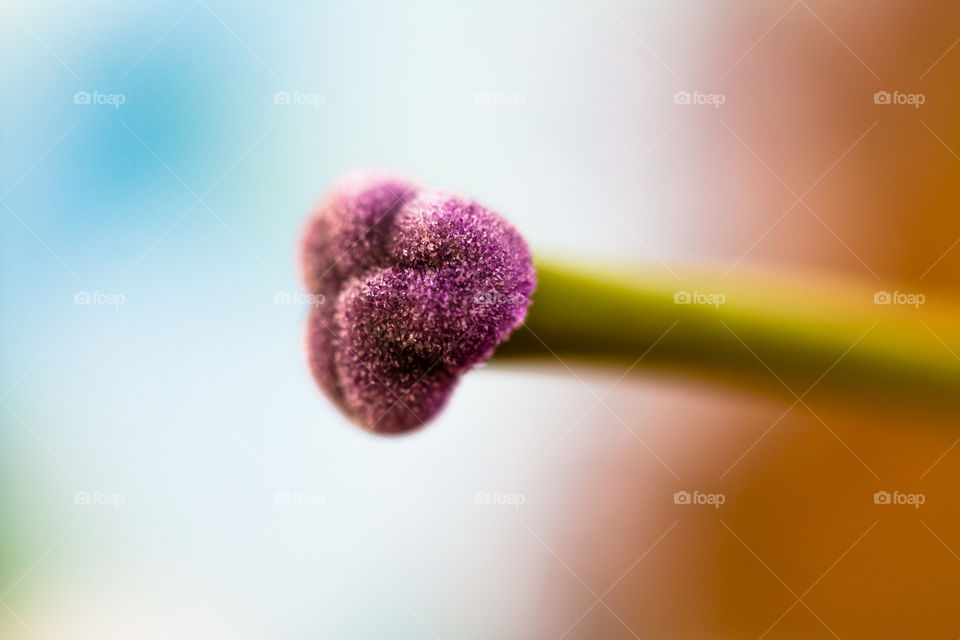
[(787, 336)]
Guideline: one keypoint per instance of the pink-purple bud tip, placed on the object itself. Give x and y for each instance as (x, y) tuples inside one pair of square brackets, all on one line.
[(418, 286)]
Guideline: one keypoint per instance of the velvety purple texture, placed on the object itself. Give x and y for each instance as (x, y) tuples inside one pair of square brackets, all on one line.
[(419, 285)]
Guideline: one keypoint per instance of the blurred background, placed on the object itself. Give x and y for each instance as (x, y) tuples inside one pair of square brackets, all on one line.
[(169, 470)]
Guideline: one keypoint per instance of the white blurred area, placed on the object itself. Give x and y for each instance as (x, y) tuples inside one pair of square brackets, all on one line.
[(383, 537)]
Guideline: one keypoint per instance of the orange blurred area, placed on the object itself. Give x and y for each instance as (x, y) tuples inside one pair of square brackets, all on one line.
[(804, 172), (798, 518)]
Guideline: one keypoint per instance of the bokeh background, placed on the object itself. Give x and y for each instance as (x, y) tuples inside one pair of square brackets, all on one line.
[(167, 467)]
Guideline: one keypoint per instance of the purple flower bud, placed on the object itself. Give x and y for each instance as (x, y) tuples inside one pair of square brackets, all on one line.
[(420, 286)]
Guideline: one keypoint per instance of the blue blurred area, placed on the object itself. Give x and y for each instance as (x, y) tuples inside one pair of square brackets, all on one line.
[(142, 245)]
